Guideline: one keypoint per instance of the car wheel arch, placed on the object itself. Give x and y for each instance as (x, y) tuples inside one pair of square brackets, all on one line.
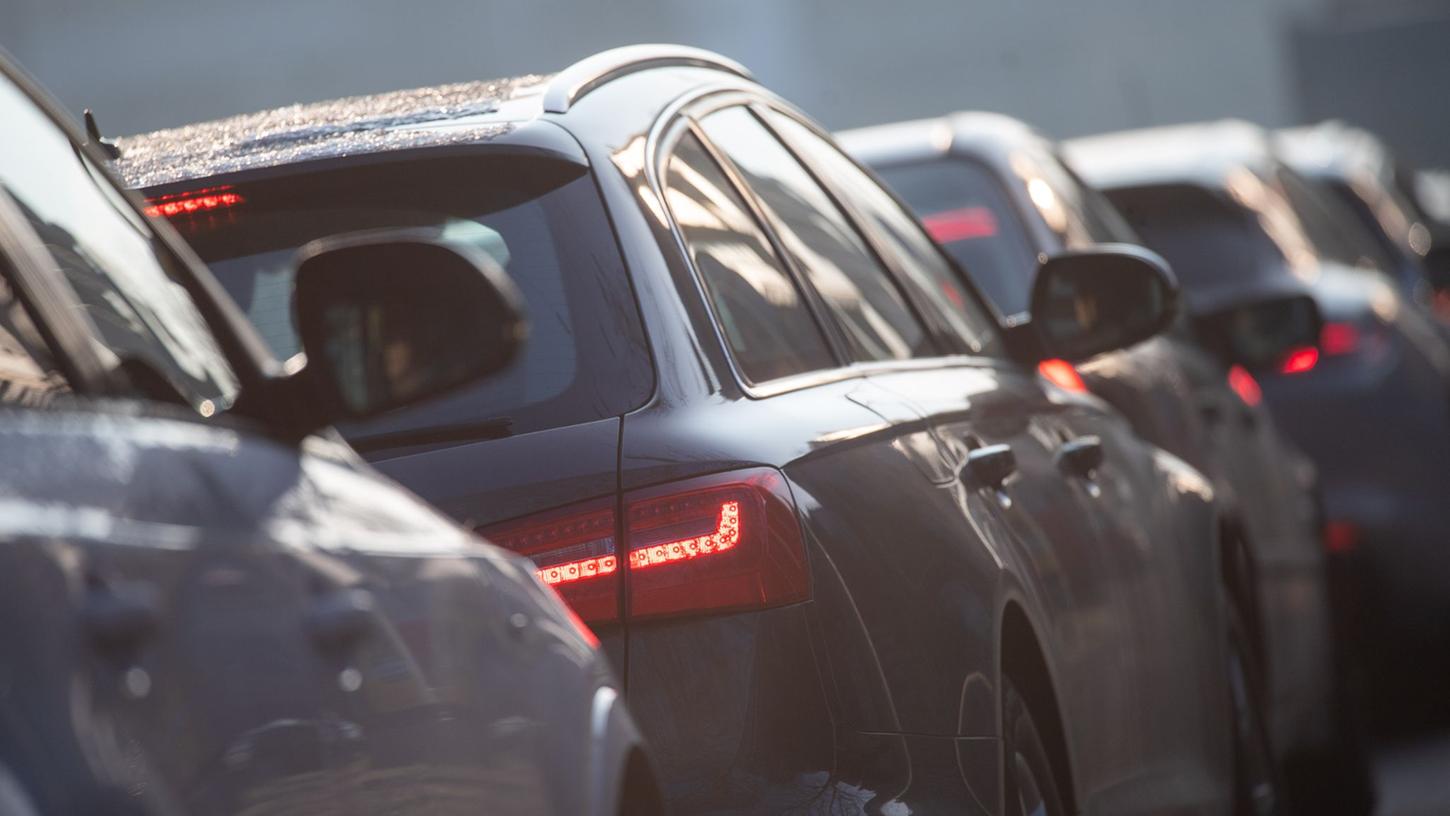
[(1021, 655)]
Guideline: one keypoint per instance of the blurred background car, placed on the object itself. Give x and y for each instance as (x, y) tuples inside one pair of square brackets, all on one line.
[(839, 539), (210, 603), (1370, 403), (997, 195), (1360, 172)]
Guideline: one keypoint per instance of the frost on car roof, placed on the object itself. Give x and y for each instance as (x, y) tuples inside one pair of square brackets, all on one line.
[(422, 117)]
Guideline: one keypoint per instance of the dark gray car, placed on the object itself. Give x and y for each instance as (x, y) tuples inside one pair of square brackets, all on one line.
[(212, 606), (998, 195)]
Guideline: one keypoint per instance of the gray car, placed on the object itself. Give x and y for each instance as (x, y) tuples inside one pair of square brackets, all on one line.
[(210, 603)]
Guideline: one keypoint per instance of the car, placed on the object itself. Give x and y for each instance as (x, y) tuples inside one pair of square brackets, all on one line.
[(847, 551), (211, 604), (1363, 177), (1361, 174), (1368, 403), (998, 195)]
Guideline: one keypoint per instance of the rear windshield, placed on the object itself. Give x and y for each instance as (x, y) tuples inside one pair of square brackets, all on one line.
[(542, 220), (967, 211), (1210, 242)]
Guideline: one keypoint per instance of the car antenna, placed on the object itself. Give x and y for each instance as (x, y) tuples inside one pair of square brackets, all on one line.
[(93, 135)]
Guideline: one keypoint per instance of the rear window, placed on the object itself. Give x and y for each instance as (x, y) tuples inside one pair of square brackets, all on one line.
[(542, 220), (1211, 243), (967, 211)]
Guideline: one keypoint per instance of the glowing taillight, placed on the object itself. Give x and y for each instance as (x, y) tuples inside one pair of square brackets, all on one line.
[(1244, 384), (725, 542), (1339, 338), (1061, 374), (575, 552), (195, 202), (961, 224), (1300, 360)]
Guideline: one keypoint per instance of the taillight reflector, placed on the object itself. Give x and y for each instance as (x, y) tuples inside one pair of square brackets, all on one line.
[(730, 541), (1300, 360), (194, 202), (1340, 537), (1061, 374)]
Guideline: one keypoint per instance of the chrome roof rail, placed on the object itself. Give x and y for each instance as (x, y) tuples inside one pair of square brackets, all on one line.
[(573, 83)]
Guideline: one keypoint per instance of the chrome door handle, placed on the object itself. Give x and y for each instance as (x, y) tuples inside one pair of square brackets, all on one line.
[(1081, 456), (989, 466)]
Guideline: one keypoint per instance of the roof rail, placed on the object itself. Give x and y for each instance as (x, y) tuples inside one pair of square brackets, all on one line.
[(573, 83)]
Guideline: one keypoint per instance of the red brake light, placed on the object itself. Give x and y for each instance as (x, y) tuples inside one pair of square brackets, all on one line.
[(191, 203), (1339, 338), (574, 550), (1244, 384), (725, 542), (1300, 360), (961, 224), (1061, 374)]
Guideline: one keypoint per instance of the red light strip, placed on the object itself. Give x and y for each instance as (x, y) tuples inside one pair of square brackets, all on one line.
[(572, 571), (962, 224), (195, 204), (726, 536)]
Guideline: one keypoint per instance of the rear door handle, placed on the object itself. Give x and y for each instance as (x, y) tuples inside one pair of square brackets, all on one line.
[(340, 620), (989, 466), (1081, 456)]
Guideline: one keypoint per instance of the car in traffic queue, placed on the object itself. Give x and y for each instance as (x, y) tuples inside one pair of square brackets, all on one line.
[(847, 551), (1360, 172), (1369, 403), (997, 195), (211, 604)]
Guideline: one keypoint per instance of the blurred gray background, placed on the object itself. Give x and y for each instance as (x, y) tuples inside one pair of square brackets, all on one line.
[(1069, 66)]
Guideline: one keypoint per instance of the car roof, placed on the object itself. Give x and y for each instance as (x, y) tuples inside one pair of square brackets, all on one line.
[(1334, 149), (442, 115), (979, 134), (1207, 154)]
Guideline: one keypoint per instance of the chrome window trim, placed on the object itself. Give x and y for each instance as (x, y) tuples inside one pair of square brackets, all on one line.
[(575, 82)]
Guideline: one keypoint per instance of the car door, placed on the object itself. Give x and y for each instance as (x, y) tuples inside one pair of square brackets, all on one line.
[(1121, 592)]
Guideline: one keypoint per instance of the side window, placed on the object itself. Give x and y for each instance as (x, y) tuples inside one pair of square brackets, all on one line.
[(922, 261), (872, 313), (121, 275), (762, 314), (28, 373)]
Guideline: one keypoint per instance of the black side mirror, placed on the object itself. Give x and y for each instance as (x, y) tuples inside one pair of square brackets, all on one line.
[(1258, 335), (388, 319), (1091, 301)]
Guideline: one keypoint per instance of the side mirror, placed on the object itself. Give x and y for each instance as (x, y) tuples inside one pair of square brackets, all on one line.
[(388, 319), (1088, 302), (1260, 334)]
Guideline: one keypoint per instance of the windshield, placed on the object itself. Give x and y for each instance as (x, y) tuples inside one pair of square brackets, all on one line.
[(542, 220)]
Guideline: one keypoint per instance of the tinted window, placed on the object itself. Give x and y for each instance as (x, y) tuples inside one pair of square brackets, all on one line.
[(965, 208), (1211, 243), (762, 314), (871, 311), (921, 261), (126, 282), (585, 357)]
